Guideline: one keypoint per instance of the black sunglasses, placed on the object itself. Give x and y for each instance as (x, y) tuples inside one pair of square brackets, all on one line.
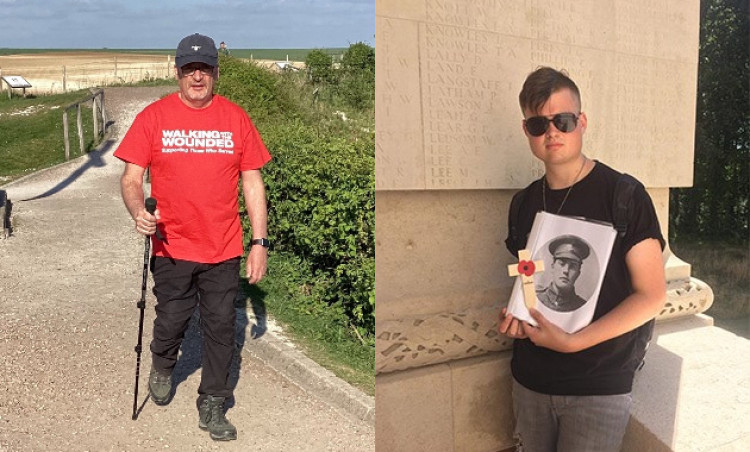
[(190, 68), (538, 125)]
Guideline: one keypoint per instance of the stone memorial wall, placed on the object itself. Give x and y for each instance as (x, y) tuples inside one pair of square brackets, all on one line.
[(449, 73)]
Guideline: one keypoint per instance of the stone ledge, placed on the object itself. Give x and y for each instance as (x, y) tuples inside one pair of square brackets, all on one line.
[(422, 340), (310, 376), (693, 394)]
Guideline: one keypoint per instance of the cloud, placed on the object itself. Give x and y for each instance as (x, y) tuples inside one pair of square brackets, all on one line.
[(159, 24)]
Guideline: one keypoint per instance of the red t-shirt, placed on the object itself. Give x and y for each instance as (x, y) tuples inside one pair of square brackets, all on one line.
[(196, 157)]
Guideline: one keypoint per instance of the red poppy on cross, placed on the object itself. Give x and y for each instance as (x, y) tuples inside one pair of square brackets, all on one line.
[(526, 268)]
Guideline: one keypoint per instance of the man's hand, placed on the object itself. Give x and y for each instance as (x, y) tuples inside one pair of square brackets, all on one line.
[(131, 186), (257, 264), (145, 223)]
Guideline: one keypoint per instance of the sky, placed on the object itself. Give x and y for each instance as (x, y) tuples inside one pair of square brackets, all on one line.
[(160, 24)]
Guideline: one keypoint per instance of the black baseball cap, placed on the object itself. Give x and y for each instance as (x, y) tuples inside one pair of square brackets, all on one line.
[(196, 48)]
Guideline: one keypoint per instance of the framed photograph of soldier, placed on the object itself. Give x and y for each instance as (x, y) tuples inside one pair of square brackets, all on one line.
[(575, 253)]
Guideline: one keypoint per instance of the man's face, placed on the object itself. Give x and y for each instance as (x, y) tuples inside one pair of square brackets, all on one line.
[(565, 272), (196, 81), (554, 146)]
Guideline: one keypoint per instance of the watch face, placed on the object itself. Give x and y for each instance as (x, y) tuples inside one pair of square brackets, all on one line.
[(262, 242)]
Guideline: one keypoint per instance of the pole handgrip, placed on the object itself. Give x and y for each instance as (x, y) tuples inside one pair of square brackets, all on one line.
[(151, 208), (151, 205)]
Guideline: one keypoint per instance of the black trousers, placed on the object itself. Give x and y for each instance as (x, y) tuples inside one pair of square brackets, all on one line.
[(181, 285)]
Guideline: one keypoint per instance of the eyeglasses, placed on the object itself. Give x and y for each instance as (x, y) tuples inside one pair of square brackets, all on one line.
[(538, 125), (189, 69)]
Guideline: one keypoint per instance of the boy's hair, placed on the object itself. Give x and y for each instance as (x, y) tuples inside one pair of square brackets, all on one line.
[(541, 84)]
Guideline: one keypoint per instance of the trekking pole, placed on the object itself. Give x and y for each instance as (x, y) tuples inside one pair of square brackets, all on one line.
[(151, 208)]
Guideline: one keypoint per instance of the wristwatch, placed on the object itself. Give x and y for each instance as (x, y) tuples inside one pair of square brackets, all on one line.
[(262, 242)]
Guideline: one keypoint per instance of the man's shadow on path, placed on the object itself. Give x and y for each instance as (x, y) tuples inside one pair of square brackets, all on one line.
[(95, 161), (189, 360)]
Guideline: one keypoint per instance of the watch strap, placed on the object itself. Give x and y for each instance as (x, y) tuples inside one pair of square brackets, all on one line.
[(264, 242)]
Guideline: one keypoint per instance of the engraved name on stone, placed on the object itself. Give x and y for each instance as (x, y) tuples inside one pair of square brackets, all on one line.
[(460, 89)]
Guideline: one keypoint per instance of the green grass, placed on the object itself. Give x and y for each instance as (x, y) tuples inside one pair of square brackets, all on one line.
[(31, 132), (726, 269), (322, 337)]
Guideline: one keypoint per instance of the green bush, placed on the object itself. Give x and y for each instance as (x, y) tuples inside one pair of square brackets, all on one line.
[(319, 67), (256, 89), (359, 57), (351, 84), (321, 209), (357, 82), (320, 188), (358, 90)]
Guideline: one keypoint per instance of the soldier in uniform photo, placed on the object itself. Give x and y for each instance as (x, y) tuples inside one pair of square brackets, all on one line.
[(568, 253)]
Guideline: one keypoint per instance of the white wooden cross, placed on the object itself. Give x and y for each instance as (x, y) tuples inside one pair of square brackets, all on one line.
[(526, 268)]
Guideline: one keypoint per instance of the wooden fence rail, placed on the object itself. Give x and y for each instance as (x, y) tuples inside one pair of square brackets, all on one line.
[(100, 119)]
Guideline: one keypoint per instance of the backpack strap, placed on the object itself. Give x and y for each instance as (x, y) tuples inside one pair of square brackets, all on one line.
[(622, 202), (623, 207), (514, 240)]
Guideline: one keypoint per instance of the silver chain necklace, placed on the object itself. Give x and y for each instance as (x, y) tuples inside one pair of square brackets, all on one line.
[(565, 198)]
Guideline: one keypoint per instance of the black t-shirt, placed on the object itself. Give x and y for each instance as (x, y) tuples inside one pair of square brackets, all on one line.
[(607, 368)]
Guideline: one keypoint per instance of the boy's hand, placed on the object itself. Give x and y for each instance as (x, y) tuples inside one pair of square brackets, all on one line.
[(510, 326), (549, 335)]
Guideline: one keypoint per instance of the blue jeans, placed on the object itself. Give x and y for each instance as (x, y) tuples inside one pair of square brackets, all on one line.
[(547, 423)]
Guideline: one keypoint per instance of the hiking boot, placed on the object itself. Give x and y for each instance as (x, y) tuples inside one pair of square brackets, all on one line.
[(211, 418), (160, 387)]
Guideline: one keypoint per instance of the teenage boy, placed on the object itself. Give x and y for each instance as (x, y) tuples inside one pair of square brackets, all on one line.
[(571, 391)]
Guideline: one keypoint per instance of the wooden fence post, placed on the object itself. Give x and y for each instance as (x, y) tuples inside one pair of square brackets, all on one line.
[(100, 120), (79, 123), (95, 112), (104, 113), (66, 134)]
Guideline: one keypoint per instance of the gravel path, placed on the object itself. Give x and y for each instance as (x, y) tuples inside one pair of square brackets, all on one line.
[(69, 278)]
